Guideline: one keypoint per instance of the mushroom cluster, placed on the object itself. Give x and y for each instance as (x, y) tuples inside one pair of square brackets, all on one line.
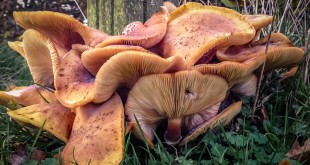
[(185, 66)]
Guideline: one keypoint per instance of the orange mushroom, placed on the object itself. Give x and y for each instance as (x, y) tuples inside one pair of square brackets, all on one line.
[(97, 135), (125, 68), (173, 97), (194, 29)]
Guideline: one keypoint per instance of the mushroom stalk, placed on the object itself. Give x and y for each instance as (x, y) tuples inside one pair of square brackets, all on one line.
[(173, 133)]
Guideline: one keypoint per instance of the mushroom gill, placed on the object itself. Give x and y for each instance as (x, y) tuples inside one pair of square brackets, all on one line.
[(125, 68), (39, 52), (232, 72), (97, 134), (173, 96), (222, 118), (93, 59), (145, 35), (73, 83), (194, 29)]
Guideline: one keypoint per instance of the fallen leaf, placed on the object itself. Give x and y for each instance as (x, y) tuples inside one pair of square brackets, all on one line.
[(19, 156), (297, 151)]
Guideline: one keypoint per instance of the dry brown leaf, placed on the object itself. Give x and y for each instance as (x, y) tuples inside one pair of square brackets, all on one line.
[(297, 151)]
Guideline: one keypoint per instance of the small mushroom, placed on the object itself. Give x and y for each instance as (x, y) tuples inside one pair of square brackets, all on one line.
[(222, 118), (173, 97), (19, 96), (145, 35), (233, 72), (93, 59), (73, 83), (125, 68), (194, 29), (58, 119), (97, 135)]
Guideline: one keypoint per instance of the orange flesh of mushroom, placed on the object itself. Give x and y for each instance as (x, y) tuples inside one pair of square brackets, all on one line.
[(58, 119), (97, 135), (73, 83)]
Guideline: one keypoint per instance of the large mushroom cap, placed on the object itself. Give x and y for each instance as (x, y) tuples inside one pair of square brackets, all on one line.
[(125, 68), (97, 135), (93, 59), (233, 72), (58, 119), (173, 96), (222, 118), (73, 83), (281, 52), (20, 97), (145, 35), (194, 29), (38, 52)]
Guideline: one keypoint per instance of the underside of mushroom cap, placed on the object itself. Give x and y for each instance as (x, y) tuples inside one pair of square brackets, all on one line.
[(194, 29), (246, 87), (58, 119), (62, 29), (145, 35), (259, 21), (125, 68), (39, 51), (232, 72), (172, 96), (97, 135), (18, 47), (222, 118), (73, 83), (93, 59), (20, 97)]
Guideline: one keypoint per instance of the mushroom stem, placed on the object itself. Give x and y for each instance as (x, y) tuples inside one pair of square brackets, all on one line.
[(173, 133)]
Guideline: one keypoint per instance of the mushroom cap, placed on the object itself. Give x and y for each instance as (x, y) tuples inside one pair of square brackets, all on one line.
[(38, 52), (232, 72), (194, 29), (241, 53), (145, 35), (172, 96), (222, 118), (19, 96), (93, 59), (259, 21), (58, 118), (97, 135), (73, 83), (18, 47), (125, 68), (62, 29), (281, 52)]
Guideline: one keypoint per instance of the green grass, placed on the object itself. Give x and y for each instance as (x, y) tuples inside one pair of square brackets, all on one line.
[(249, 139)]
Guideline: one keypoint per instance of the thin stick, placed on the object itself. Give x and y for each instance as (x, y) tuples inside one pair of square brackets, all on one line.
[(263, 68)]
